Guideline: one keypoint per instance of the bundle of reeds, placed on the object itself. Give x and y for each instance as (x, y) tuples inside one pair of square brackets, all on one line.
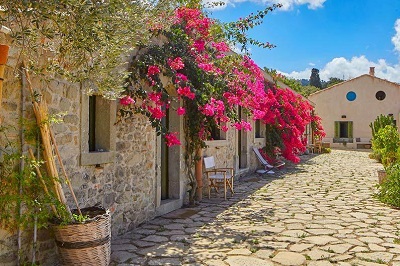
[(50, 149)]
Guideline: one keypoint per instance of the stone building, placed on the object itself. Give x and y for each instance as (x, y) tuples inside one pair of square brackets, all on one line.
[(124, 167), (349, 107)]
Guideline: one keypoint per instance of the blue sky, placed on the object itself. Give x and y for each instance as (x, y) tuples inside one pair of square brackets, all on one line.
[(342, 38)]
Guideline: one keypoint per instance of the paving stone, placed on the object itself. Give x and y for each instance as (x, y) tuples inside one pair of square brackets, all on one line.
[(321, 231), (338, 248), (143, 244), (340, 258), (241, 251), (264, 253), (174, 226), (289, 258), (375, 247), (165, 250), (215, 263), (318, 254), (123, 247), (300, 247), (294, 233), (371, 240), (124, 256), (376, 256), (247, 261), (319, 263), (155, 238), (321, 240), (164, 261)]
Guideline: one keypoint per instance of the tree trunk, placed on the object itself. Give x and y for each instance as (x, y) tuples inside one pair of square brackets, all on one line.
[(199, 174)]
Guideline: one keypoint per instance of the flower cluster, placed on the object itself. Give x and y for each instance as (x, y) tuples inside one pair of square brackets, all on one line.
[(212, 85)]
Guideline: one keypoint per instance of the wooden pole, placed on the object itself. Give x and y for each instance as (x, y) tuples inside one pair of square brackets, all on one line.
[(53, 139)]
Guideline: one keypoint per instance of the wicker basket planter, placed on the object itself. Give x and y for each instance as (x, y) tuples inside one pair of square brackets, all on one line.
[(88, 243), (381, 176)]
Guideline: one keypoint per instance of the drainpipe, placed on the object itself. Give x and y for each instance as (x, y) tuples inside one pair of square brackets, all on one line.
[(22, 162)]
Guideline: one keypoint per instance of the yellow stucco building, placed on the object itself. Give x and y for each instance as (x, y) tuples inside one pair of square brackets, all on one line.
[(349, 107)]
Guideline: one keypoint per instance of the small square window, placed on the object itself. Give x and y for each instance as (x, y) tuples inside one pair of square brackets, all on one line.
[(216, 133), (97, 130)]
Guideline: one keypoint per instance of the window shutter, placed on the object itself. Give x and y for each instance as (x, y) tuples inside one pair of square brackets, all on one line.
[(337, 127), (350, 129)]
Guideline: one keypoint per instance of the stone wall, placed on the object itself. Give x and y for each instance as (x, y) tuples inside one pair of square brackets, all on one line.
[(126, 186)]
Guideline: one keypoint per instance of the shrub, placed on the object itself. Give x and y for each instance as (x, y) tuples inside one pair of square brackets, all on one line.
[(326, 150), (385, 144), (389, 190)]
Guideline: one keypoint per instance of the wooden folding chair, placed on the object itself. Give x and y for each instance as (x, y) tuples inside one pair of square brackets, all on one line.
[(268, 166), (318, 145), (218, 176)]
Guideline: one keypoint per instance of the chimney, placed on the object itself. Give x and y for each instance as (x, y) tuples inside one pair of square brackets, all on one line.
[(372, 71)]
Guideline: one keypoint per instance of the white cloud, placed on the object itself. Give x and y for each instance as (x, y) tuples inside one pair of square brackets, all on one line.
[(396, 37), (286, 4), (341, 67)]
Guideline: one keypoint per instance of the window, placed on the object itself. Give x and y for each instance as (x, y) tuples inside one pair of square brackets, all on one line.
[(343, 131), (257, 128), (380, 95), (97, 130), (351, 96), (217, 133)]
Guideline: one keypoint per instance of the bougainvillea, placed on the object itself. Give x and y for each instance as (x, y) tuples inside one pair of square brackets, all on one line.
[(195, 67)]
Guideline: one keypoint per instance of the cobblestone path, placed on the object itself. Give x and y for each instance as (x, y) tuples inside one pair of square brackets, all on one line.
[(320, 212)]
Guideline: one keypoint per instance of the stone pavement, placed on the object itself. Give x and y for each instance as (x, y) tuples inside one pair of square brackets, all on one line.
[(319, 212)]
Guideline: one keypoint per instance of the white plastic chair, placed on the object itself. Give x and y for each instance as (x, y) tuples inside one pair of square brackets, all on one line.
[(218, 176)]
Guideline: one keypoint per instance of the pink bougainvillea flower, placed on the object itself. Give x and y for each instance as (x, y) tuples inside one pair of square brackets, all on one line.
[(185, 91), (176, 63), (171, 139), (199, 45), (126, 100), (237, 125), (207, 109), (180, 77), (221, 46), (181, 111), (246, 125), (224, 128), (152, 70), (155, 97), (258, 114), (156, 112), (205, 66)]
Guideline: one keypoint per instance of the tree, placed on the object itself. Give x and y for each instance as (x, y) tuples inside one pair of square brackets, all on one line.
[(314, 78), (333, 81), (294, 84), (82, 40)]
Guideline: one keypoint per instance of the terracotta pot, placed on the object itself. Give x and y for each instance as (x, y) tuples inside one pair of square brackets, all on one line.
[(4, 53)]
